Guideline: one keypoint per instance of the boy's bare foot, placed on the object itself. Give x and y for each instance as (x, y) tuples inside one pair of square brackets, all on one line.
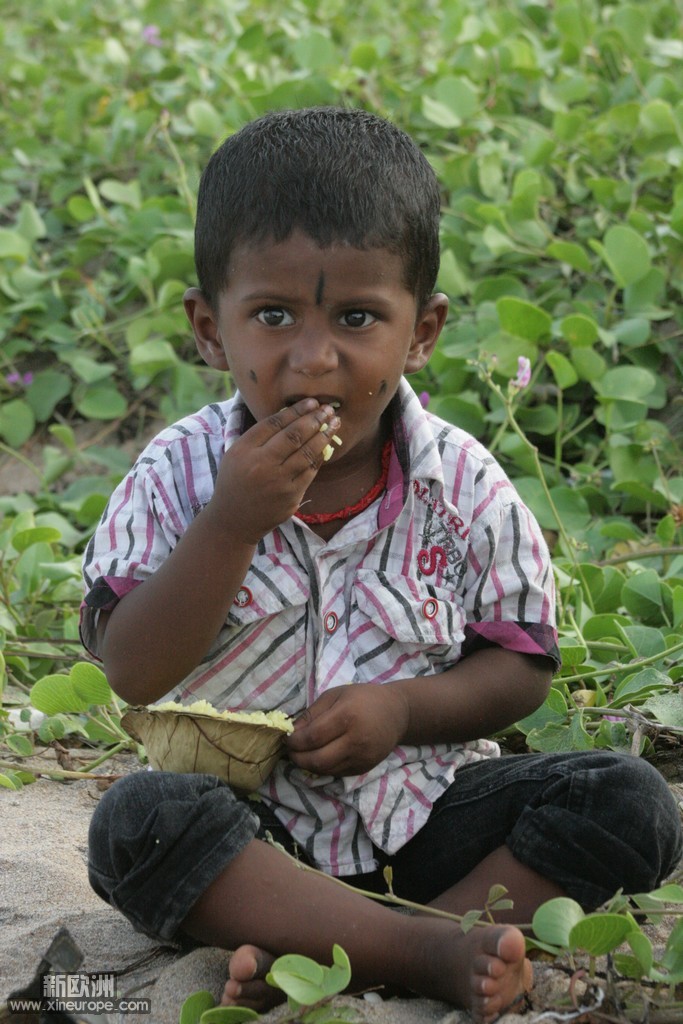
[(484, 971), (492, 972), (246, 984)]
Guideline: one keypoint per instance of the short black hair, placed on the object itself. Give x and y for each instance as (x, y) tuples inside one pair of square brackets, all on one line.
[(338, 175)]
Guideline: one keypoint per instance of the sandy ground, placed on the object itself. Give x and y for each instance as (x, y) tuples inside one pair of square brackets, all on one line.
[(44, 885)]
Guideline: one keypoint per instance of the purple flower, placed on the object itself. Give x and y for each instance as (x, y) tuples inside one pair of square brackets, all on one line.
[(150, 35), (19, 378), (523, 372), (424, 397)]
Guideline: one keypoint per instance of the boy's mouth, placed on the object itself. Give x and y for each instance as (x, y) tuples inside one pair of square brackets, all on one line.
[(322, 399)]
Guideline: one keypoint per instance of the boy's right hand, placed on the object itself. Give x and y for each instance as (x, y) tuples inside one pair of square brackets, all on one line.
[(264, 475)]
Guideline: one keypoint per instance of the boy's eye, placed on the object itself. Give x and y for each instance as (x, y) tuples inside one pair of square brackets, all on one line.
[(357, 318), (275, 316)]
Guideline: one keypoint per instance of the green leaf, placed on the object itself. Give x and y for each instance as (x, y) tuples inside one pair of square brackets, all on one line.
[(670, 892), (205, 119), (598, 934), (639, 685), (579, 736), (153, 356), (571, 253), (90, 683), (10, 780), (17, 422), (552, 738), (573, 651), (641, 595), (627, 254), (47, 390), (299, 977), (642, 950), (19, 744), (459, 95), (101, 402), (36, 535), (337, 977), (523, 319), (657, 118), (564, 373), (53, 728), (553, 709), (228, 1015), (672, 960), (439, 114), (555, 919), (579, 330), (125, 193), (667, 708), (194, 1006), (626, 382), (13, 245), (29, 222), (315, 51), (56, 693)]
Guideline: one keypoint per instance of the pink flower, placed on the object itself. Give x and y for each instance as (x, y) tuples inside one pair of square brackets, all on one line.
[(150, 35), (523, 373), (424, 397), (19, 378)]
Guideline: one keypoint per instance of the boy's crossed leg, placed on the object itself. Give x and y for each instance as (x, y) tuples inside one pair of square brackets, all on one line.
[(264, 895)]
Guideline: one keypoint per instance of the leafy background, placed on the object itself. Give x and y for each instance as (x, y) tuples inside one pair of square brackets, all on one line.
[(556, 130)]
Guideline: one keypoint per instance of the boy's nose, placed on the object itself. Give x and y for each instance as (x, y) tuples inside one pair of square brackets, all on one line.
[(313, 354)]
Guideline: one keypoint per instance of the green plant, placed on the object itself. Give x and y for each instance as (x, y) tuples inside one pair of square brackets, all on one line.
[(80, 704), (561, 928)]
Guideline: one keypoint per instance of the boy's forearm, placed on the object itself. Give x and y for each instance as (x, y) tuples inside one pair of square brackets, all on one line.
[(484, 693), (160, 631)]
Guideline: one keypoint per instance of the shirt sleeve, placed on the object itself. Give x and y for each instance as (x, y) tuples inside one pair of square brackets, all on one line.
[(144, 519), (509, 584)]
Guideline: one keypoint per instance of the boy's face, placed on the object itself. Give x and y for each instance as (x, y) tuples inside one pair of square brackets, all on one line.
[(337, 323)]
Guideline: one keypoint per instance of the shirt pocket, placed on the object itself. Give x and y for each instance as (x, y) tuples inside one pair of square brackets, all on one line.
[(259, 659), (400, 626)]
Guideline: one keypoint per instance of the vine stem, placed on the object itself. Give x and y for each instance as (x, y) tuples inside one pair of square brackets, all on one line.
[(619, 669), (386, 897), (21, 458), (56, 773), (510, 419), (639, 553)]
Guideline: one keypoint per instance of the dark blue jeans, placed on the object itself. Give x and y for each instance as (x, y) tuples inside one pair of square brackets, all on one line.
[(593, 822)]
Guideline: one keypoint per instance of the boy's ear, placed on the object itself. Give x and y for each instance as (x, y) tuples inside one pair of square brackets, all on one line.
[(205, 329), (428, 326)]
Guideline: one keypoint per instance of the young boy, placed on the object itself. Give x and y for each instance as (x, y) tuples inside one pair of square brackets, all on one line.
[(395, 598)]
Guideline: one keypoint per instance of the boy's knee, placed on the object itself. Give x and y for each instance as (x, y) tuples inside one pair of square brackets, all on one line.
[(147, 821), (646, 811)]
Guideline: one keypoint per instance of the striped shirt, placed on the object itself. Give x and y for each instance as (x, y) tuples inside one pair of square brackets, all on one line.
[(447, 559)]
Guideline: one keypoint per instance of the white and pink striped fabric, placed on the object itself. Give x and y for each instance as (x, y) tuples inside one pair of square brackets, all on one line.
[(448, 558)]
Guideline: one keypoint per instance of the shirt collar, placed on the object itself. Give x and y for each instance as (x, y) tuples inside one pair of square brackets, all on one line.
[(415, 455)]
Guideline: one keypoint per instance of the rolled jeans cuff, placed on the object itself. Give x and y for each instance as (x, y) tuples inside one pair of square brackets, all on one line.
[(158, 840)]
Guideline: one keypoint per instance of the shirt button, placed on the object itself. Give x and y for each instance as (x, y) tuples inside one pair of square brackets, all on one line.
[(331, 622), (430, 608), (243, 597)]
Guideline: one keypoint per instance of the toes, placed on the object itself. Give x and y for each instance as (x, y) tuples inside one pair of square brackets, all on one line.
[(249, 962), (246, 985), (254, 995)]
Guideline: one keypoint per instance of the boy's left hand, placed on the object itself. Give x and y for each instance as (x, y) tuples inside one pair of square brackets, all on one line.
[(349, 729)]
